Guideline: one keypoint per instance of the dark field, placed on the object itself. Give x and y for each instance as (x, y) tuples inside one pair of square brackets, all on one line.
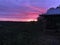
[(30, 33)]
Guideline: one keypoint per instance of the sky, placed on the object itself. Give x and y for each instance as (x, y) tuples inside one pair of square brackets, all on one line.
[(24, 10)]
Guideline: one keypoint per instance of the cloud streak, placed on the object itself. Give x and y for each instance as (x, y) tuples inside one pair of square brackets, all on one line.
[(23, 9)]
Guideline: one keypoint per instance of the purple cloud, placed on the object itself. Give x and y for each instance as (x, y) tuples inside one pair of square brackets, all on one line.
[(23, 9)]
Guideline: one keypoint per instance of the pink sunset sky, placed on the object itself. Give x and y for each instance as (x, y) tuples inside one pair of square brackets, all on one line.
[(24, 10)]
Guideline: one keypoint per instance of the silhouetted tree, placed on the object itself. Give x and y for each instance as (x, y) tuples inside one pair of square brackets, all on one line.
[(42, 23), (50, 21)]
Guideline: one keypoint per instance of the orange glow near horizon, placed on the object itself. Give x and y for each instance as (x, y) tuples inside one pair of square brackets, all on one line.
[(31, 20), (12, 19)]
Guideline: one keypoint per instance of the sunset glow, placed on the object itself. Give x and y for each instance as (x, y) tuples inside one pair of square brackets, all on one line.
[(24, 10), (11, 19), (31, 20)]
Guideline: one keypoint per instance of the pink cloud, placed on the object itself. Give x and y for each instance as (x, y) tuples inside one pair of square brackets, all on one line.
[(26, 13), (41, 10)]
